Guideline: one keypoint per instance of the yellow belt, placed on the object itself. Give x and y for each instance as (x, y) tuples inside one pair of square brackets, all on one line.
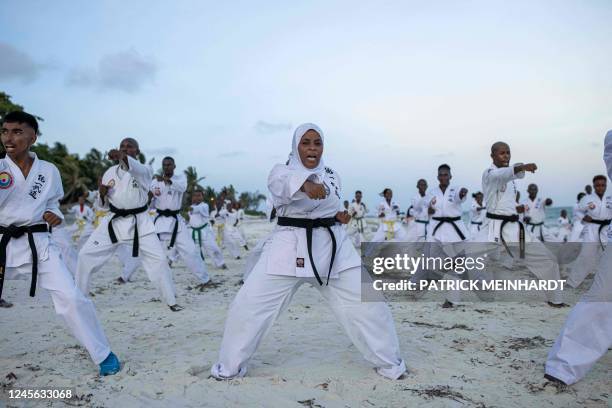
[(390, 233), (80, 227), (99, 215), (219, 238)]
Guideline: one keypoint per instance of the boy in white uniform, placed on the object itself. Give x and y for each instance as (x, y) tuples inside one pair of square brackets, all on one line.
[(597, 208), (535, 213), (170, 227), (126, 188), (30, 190), (356, 227), (418, 211), (587, 333), (477, 213), (84, 218), (201, 232), (390, 228)]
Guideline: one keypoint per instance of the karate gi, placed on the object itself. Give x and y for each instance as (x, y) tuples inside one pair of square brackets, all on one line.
[(477, 217), (390, 228), (587, 333), (357, 226), (203, 235), (577, 224), (128, 189), (256, 252), (417, 228), (285, 264), (565, 229), (23, 201), (499, 191), (594, 237), (169, 223), (535, 211), (83, 225)]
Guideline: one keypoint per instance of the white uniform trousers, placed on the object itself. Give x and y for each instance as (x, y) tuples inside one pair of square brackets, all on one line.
[(587, 333), (186, 249), (76, 310), (99, 248), (208, 245), (585, 264), (263, 297)]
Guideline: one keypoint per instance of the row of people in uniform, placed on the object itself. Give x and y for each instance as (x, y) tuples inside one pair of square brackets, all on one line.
[(308, 245)]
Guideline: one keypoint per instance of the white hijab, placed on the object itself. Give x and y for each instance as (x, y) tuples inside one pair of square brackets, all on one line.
[(295, 163)]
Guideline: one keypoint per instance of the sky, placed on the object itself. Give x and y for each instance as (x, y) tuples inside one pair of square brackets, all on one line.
[(398, 87)]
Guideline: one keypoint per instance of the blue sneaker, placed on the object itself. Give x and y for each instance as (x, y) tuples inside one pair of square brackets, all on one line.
[(110, 366)]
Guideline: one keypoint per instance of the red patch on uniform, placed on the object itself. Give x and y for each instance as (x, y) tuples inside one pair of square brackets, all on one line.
[(299, 262)]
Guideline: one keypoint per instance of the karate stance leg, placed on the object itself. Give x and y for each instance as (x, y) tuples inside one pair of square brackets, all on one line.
[(231, 243), (587, 333), (187, 250), (541, 262), (258, 303), (95, 253), (369, 325), (155, 264), (76, 310), (62, 240), (211, 249), (585, 264)]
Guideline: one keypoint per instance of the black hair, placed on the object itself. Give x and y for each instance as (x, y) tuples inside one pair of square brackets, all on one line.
[(21, 117), (580, 195), (444, 167), (600, 177), (385, 191), (358, 191), (168, 158), (477, 193)]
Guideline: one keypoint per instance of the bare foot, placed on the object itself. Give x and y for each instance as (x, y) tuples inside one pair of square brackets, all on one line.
[(176, 308)]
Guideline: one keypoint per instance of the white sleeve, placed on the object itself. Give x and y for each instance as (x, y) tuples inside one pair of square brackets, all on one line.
[(608, 153), (502, 175), (56, 193), (284, 184), (179, 183), (141, 172)]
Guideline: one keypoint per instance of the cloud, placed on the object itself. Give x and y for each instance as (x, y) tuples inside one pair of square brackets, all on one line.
[(229, 155), (18, 65), (126, 71), (267, 128)]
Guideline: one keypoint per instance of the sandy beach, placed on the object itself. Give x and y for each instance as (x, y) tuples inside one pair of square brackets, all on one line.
[(477, 354)]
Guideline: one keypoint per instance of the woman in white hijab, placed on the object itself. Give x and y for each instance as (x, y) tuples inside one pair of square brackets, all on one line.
[(309, 245)]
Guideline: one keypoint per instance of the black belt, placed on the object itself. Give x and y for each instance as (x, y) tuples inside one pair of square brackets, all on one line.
[(359, 224), (171, 214), (309, 225), (506, 219), (602, 224), (422, 222), (536, 224), (451, 221), (13, 231), (120, 212), (476, 223)]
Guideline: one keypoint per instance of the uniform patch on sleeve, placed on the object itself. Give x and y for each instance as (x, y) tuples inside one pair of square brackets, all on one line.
[(299, 262), (6, 180)]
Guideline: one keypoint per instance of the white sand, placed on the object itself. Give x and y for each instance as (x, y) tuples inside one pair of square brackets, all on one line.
[(495, 359)]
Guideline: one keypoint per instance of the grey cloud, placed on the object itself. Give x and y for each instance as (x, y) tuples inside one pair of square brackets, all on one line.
[(126, 71), (269, 128), (18, 65), (229, 155)]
